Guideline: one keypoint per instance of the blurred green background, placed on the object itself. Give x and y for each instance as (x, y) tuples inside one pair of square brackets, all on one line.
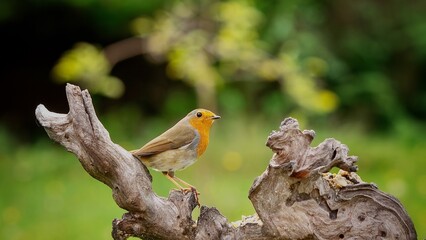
[(352, 70)]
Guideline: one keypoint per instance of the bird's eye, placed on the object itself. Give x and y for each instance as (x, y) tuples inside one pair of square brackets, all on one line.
[(199, 114)]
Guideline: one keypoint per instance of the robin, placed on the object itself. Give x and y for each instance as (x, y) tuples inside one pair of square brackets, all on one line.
[(179, 147)]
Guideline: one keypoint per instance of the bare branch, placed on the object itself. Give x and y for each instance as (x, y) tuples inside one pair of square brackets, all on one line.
[(295, 198), (81, 133), (125, 49)]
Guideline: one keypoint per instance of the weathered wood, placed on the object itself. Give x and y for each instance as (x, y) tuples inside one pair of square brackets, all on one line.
[(295, 198)]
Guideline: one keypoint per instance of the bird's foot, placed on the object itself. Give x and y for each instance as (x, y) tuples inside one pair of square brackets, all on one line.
[(193, 190)]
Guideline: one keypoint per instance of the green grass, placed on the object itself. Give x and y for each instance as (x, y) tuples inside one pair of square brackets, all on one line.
[(46, 194)]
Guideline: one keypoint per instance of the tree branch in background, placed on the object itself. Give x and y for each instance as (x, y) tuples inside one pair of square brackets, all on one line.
[(124, 49), (295, 198)]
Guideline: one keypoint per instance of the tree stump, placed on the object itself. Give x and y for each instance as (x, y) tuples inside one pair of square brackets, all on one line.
[(295, 198)]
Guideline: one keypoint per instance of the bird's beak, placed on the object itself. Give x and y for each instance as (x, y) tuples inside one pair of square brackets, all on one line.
[(215, 117)]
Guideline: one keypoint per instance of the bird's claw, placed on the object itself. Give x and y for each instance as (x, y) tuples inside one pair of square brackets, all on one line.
[(193, 190)]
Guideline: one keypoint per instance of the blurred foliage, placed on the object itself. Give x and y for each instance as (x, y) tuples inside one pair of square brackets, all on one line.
[(365, 62), (209, 43), (380, 60), (88, 66)]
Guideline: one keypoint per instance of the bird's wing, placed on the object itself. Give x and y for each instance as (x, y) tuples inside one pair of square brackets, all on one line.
[(171, 139)]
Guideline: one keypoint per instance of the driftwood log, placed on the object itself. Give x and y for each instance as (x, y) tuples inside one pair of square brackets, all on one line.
[(295, 198)]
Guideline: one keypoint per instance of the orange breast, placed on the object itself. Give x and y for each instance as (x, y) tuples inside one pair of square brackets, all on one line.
[(204, 141), (204, 130)]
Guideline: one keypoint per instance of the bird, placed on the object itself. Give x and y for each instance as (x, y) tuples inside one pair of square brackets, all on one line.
[(179, 147)]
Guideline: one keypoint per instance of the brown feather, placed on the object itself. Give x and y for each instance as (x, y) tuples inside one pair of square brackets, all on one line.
[(176, 137)]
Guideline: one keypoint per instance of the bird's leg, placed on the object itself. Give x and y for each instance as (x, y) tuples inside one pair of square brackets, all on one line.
[(171, 176), (190, 187)]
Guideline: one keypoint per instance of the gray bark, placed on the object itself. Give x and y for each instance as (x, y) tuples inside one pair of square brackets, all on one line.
[(295, 198)]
